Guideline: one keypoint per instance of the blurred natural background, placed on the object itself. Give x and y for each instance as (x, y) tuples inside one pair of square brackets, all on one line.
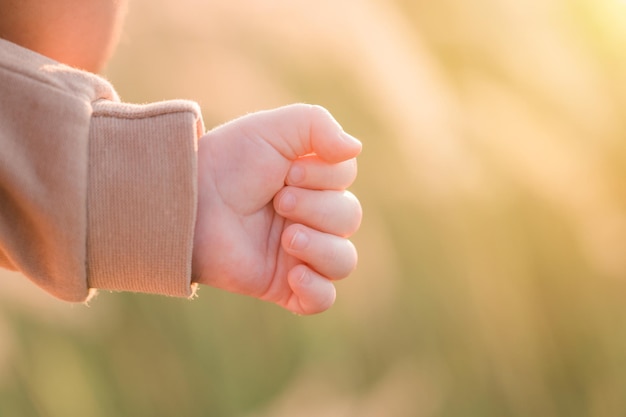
[(492, 276)]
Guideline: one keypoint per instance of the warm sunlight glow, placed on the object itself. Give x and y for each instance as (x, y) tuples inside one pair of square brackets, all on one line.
[(492, 255), (610, 15)]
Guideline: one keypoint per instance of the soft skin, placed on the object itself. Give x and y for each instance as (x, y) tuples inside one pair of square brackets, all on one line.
[(273, 212), (79, 33)]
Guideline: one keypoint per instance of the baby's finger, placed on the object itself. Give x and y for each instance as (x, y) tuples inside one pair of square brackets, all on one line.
[(312, 293), (336, 212), (313, 173), (331, 256)]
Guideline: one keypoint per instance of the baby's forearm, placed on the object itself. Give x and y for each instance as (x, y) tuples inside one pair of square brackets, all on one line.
[(79, 33)]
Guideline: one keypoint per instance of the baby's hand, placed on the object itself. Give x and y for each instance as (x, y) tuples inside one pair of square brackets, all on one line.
[(273, 211)]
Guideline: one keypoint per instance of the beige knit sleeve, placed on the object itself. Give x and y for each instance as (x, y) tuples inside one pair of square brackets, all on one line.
[(94, 193), (141, 196)]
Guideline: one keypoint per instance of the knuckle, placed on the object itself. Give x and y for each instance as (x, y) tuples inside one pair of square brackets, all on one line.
[(353, 257), (343, 258), (318, 111), (332, 255), (355, 213)]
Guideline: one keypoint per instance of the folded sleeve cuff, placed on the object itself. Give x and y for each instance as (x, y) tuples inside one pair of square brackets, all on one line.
[(142, 196)]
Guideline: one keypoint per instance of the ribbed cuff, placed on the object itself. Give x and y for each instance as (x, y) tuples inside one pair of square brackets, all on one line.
[(142, 196)]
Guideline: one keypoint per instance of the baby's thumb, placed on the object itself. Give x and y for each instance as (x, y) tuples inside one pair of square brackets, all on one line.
[(303, 129), (328, 140)]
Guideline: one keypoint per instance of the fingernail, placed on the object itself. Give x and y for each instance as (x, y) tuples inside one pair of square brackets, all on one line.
[(350, 139), (299, 241), (296, 174), (287, 202), (304, 278)]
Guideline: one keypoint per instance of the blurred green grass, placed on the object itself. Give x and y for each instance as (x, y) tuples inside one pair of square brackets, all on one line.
[(493, 266)]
